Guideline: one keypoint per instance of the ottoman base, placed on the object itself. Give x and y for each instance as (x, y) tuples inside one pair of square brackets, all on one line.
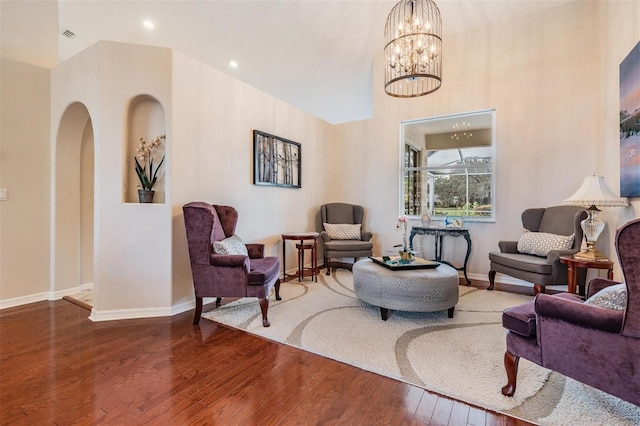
[(384, 312), (412, 290)]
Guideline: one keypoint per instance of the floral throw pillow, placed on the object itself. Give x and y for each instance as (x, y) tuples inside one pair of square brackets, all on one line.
[(541, 243), (343, 231), (612, 297), (231, 245)]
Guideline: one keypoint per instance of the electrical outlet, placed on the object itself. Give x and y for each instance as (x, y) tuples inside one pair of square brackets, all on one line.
[(3, 194)]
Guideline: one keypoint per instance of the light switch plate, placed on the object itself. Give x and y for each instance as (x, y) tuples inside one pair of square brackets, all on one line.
[(3, 194)]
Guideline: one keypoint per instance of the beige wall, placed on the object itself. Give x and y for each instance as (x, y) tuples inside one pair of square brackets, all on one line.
[(140, 254), (214, 116), (621, 35), (24, 172), (552, 82)]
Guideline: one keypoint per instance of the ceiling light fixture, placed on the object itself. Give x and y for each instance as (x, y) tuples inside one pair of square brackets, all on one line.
[(233, 64), (148, 24), (413, 49)]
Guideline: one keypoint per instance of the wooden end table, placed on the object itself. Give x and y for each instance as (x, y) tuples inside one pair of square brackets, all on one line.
[(573, 263), (313, 246)]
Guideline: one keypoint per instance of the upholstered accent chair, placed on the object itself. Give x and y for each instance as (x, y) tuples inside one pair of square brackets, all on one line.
[(592, 342), (541, 269), (342, 234), (248, 274)]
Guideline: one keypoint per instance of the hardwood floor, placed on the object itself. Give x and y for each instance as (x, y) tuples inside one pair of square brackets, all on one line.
[(58, 367)]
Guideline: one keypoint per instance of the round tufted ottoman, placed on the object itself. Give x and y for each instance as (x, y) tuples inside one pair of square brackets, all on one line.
[(414, 290)]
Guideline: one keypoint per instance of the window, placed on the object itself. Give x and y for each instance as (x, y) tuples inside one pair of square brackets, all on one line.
[(447, 166), (412, 181)]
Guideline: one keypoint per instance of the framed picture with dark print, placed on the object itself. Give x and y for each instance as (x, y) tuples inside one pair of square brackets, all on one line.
[(276, 161)]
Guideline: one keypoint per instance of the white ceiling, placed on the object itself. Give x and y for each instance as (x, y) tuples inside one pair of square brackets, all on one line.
[(315, 54)]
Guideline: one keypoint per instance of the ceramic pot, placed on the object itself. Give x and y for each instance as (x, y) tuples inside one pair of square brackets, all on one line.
[(146, 195)]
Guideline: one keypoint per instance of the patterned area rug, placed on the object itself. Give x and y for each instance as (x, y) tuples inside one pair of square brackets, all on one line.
[(459, 357)]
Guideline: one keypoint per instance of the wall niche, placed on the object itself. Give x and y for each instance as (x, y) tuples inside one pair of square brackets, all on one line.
[(144, 119)]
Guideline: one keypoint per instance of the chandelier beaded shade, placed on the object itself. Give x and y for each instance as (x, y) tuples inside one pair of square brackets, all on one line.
[(413, 49)]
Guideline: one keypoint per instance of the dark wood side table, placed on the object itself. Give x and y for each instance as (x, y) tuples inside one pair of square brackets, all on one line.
[(573, 265), (301, 246), (439, 232)]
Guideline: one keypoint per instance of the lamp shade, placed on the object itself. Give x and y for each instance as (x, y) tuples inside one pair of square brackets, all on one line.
[(594, 192)]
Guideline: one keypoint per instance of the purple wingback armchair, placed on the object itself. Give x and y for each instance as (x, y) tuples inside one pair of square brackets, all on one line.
[(593, 345), (218, 276)]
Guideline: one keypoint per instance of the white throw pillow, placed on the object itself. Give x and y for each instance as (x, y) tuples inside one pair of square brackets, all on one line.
[(231, 245), (541, 243), (343, 231), (612, 297)]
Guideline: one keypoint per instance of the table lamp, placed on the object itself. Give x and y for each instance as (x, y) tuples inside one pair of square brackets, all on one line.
[(594, 193)]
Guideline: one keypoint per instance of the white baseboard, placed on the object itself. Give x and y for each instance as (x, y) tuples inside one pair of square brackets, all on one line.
[(119, 314), (23, 300), (184, 306), (45, 295)]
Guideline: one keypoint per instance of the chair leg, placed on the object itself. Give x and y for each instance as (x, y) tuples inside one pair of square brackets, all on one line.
[(264, 307), (537, 288), (196, 318), (218, 300), (492, 279), (511, 366), (327, 264), (277, 287)]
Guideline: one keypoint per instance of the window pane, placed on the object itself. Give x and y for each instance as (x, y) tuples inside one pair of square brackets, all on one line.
[(444, 157), (412, 182), (448, 157), (480, 201), (447, 170)]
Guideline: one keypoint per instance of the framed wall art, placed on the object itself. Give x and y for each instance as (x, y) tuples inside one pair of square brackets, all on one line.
[(630, 124), (276, 161)]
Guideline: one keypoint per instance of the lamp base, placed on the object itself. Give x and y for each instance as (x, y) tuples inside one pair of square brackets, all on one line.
[(591, 255)]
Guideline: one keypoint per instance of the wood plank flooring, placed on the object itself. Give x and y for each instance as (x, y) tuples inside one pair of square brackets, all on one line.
[(59, 368)]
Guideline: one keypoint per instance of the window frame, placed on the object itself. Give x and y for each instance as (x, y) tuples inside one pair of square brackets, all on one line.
[(437, 124)]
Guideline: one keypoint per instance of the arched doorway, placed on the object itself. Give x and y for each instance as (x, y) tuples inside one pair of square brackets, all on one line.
[(73, 202)]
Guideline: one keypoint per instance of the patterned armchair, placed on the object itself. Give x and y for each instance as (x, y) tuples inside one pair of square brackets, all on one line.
[(343, 235), (541, 270)]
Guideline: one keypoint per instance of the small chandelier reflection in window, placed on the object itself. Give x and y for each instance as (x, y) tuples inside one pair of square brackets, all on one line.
[(461, 128), (413, 49)]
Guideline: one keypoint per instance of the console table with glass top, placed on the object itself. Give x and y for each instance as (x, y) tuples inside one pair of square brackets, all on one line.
[(439, 232)]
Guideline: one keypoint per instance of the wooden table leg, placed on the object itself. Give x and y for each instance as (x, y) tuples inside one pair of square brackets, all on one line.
[(314, 261), (572, 272), (610, 274)]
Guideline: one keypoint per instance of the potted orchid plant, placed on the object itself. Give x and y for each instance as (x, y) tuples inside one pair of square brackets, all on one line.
[(144, 167), (406, 254)]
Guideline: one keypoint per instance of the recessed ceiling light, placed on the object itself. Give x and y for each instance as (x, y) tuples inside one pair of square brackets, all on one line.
[(233, 64), (148, 24)]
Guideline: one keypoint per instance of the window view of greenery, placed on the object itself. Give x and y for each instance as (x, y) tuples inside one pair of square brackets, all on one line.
[(449, 172)]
